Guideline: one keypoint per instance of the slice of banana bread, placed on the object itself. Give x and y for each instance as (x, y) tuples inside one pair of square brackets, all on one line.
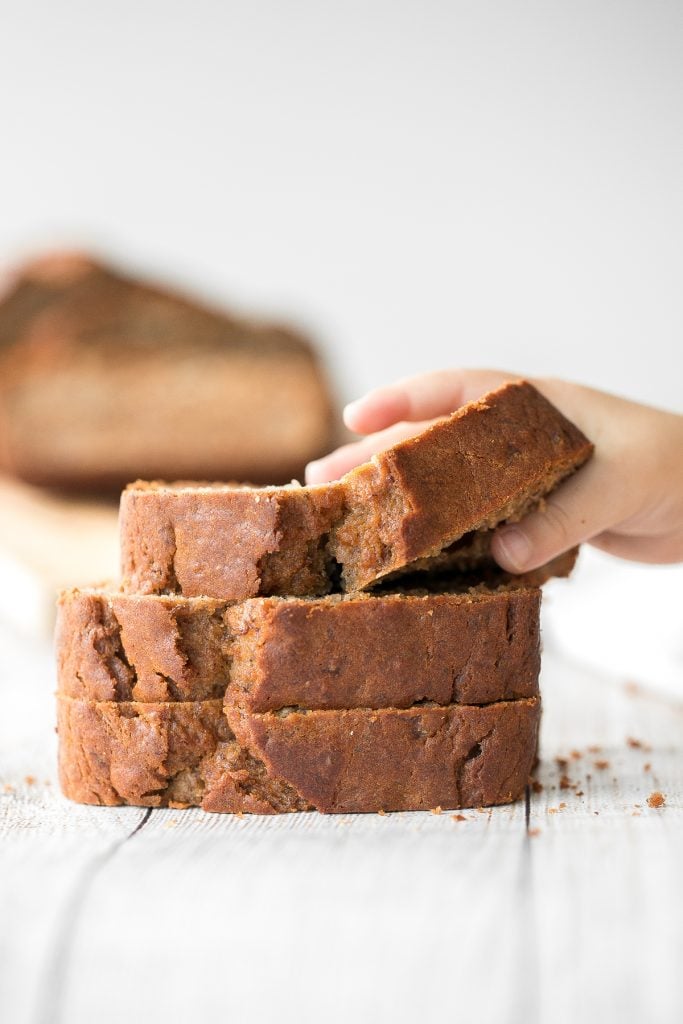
[(104, 379), (384, 650), (334, 761), (434, 496)]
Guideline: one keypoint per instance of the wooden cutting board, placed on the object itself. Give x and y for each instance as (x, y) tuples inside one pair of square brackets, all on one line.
[(47, 542)]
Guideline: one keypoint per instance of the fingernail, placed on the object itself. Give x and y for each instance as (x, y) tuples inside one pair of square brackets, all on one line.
[(515, 547), (351, 408)]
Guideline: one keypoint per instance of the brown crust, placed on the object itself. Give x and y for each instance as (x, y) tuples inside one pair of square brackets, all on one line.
[(180, 755), (388, 651), (488, 462), (161, 755), (69, 327), (391, 759), (269, 653), (491, 461)]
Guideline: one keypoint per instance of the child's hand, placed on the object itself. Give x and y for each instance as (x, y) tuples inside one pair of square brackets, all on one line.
[(627, 500)]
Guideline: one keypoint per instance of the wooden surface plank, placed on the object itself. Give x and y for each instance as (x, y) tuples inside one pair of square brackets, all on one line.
[(111, 914)]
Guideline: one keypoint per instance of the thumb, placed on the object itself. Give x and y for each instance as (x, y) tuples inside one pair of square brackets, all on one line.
[(582, 507)]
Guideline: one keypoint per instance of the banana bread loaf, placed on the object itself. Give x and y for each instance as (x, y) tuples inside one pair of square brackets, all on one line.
[(334, 761), (436, 495), (384, 650), (104, 379)]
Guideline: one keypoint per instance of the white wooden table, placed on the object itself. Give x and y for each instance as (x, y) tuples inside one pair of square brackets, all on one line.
[(567, 910)]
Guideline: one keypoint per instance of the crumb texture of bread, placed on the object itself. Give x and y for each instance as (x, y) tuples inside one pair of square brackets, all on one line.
[(407, 509), (112, 646), (227, 542), (162, 755), (104, 378), (397, 759), (393, 649)]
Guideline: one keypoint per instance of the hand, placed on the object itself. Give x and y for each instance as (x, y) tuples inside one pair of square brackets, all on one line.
[(627, 500)]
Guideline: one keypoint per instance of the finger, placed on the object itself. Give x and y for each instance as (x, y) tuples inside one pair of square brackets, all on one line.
[(418, 398), (339, 462), (574, 513)]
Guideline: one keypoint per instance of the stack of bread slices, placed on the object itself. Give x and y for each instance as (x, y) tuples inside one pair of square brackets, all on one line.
[(346, 647)]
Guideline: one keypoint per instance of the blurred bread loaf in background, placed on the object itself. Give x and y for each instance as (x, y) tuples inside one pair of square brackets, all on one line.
[(104, 378)]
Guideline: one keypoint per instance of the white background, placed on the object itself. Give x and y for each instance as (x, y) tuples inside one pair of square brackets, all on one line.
[(421, 184)]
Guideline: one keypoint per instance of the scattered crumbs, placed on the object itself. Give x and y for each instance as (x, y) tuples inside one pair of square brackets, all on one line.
[(533, 832), (552, 810), (562, 805), (561, 762), (637, 806), (239, 814), (171, 823), (635, 814), (30, 780), (579, 792), (656, 799), (647, 767), (458, 817), (8, 788), (576, 755), (636, 744), (537, 786), (436, 810), (565, 782), (382, 813), (594, 750), (601, 765), (596, 812), (482, 810)]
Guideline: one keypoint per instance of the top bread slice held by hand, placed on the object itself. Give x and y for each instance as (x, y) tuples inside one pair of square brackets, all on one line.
[(412, 506)]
